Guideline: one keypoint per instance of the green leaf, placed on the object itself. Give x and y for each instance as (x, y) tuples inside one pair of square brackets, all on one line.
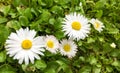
[(48, 3), (16, 3), (116, 63), (23, 21), (2, 56), (50, 70), (85, 69), (90, 40), (57, 10), (113, 30), (40, 64), (45, 15), (27, 13), (96, 69), (109, 68), (100, 4), (6, 10), (3, 20), (7, 69), (4, 32), (99, 14), (62, 2), (59, 35), (92, 60), (14, 24)]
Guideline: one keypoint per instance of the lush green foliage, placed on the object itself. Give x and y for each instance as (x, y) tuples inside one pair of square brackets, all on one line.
[(95, 55)]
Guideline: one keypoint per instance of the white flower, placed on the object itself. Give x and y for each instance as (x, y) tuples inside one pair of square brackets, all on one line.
[(98, 25), (76, 26), (113, 45), (80, 4), (68, 48), (24, 46), (51, 44)]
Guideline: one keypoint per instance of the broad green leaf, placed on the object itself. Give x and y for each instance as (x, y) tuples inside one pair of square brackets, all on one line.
[(28, 14), (5, 9), (23, 21), (2, 20), (85, 69), (113, 30), (96, 70), (59, 34), (2, 56), (92, 60), (45, 15), (62, 2), (57, 10), (100, 4), (109, 68), (90, 40), (40, 2), (50, 70), (4, 32), (40, 64), (48, 3), (7, 69), (16, 3), (14, 24), (99, 13), (116, 63)]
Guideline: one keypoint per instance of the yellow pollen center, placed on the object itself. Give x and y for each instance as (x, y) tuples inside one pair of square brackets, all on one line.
[(97, 25), (26, 44), (76, 25), (66, 47), (50, 44)]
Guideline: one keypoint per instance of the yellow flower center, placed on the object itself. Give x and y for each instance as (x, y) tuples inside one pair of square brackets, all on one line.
[(26, 44), (66, 47), (97, 25), (76, 25), (50, 44)]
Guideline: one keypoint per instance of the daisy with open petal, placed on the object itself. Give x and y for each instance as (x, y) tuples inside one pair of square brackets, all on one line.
[(24, 46), (68, 48), (76, 26), (51, 44), (98, 25)]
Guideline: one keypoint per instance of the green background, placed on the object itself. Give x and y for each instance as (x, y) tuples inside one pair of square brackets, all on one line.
[(95, 55)]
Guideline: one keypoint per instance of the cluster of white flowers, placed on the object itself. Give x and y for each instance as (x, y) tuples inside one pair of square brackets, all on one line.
[(76, 26), (26, 47)]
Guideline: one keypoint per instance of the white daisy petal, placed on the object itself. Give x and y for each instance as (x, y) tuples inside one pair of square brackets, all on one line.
[(21, 60), (31, 57), (76, 26), (20, 44), (39, 41), (26, 59)]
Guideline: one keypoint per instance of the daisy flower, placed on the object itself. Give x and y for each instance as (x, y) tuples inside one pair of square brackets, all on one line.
[(68, 48), (76, 26), (113, 45), (98, 25), (51, 43), (24, 46)]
